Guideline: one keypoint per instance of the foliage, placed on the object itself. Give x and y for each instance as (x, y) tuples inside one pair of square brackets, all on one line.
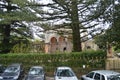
[(26, 46), (101, 41), (21, 48), (117, 51), (92, 60), (111, 34), (12, 15), (37, 46)]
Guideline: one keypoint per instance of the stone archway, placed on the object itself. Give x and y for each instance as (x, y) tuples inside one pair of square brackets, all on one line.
[(53, 42)]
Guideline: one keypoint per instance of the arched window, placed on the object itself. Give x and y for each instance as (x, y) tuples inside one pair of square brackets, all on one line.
[(61, 39), (53, 40), (53, 44)]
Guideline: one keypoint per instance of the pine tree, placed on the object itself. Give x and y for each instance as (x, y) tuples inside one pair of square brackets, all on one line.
[(110, 36), (78, 15), (12, 14)]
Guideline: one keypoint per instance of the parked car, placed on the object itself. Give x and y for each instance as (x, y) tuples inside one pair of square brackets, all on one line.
[(117, 77), (2, 68), (12, 72), (99, 75), (36, 73), (64, 73)]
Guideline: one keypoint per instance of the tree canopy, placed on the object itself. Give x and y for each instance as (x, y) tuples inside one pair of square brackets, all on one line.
[(12, 15), (111, 34), (78, 15)]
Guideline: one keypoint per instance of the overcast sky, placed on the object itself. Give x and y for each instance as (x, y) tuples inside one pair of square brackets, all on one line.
[(44, 1)]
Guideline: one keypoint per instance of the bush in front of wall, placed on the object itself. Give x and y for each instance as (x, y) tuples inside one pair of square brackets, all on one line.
[(21, 48)]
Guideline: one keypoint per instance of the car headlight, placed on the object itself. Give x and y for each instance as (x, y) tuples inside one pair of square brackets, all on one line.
[(1, 77)]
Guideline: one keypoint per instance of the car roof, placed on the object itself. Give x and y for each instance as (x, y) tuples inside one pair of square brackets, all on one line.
[(63, 67), (15, 64), (106, 72), (37, 67)]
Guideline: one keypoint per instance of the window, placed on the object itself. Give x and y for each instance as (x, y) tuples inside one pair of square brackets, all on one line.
[(103, 78), (90, 75), (65, 73), (12, 69), (36, 71), (97, 76)]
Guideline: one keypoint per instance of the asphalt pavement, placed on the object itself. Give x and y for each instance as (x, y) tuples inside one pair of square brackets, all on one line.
[(49, 78)]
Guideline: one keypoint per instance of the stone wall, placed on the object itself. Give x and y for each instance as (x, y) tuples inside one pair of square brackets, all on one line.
[(62, 43), (57, 43)]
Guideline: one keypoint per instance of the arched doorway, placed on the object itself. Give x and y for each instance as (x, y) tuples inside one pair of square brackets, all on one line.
[(62, 44), (53, 43)]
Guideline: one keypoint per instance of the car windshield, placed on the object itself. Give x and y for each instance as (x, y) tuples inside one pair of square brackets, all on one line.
[(65, 73), (12, 69), (36, 71), (116, 77)]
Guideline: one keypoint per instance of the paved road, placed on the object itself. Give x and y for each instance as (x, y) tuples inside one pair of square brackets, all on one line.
[(47, 78)]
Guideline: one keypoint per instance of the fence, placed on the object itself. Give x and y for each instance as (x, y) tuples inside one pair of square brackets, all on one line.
[(113, 64)]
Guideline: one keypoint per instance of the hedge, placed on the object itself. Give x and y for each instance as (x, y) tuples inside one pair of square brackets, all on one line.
[(91, 59)]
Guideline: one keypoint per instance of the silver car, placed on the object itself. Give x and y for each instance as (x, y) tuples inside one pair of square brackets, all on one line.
[(100, 75), (64, 73), (12, 72), (117, 77)]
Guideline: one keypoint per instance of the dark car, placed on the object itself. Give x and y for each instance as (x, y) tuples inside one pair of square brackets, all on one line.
[(36, 73), (12, 72), (2, 68)]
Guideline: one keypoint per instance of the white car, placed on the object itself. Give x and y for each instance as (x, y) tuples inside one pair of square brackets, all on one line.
[(64, 73), (100, 75)]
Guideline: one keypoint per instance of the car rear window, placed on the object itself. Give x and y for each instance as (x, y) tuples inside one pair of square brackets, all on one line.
[(65, 73), (36, 71), (11, 69)]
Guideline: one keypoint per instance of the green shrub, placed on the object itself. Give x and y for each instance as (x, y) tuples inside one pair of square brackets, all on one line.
[(21, 48), (94, 59)]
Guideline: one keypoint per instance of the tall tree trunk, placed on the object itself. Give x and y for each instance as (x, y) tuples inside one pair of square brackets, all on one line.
[(75, 27), (6, 39), (6, 32)]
